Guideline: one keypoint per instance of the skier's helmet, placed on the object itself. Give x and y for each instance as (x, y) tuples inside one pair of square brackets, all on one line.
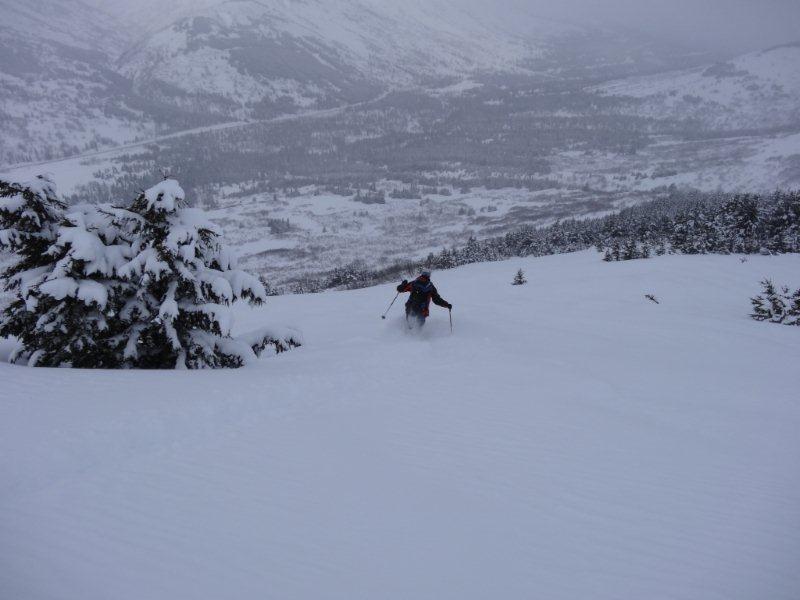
[(425, 273)]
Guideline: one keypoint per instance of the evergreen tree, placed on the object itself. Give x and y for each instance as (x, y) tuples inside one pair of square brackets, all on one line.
[(185, 281), (777, 304), (783, 307), (770, 306), (30, 216), (472, 252), (782, 224), (740, 218), (77, 303), (761, 311), (793, 312), (616, 253), (519, 278), (680, 235), (629, 251)]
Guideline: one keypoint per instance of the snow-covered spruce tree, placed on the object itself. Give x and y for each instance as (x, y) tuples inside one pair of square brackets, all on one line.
[(769, 306), (793, 312), (616, 252), (782, 224), (30, 216), (761, 311), (66, 294), (186, 280), (629, 250), (519, 278), (76, 305), (739, 218)]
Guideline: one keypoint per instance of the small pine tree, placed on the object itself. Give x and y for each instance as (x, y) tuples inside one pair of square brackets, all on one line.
[(519, 278), (793, 312), (769, 306), (607, 256), (186, 280), (629, 251), (616, 253), (777, 305), (761, 311)]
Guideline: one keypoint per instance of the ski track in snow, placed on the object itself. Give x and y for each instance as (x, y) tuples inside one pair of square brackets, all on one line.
[(570, 440)]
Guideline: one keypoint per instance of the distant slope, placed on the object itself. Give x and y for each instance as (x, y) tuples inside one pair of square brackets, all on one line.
[(59, 92), (248, 59), (71, 23), (570, 440), (755, 91)]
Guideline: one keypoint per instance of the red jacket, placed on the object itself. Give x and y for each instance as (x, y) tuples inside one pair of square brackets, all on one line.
[(422, 292)]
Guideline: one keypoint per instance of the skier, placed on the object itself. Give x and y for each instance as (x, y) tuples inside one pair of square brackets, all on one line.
[(422, 292)]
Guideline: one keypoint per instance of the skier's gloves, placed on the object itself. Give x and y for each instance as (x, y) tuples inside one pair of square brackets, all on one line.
[(404, 282), (449, 307)]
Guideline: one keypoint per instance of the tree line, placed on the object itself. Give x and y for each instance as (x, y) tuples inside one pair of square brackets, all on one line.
[(678, 223)]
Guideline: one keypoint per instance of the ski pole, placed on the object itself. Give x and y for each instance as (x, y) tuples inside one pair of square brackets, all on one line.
[(383, 316), (450, 310)]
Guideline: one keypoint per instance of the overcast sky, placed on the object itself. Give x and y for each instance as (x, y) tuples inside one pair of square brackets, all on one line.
[(730, 26), (725, 25)]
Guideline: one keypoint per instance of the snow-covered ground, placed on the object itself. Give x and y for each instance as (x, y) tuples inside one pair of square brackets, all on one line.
[(328, 231), (571, 439), (756, 90)]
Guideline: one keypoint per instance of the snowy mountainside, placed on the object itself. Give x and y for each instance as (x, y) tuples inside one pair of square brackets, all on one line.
[(147, 16), (246, 58), (84, 80), (569, 431), (59, 91), (755, 91), (70, 23)]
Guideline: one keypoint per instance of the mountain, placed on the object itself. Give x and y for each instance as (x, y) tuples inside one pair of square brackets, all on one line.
[(248, 59), (440, 90), (59, 91), (70, 23), (755, 91), (79, 80)]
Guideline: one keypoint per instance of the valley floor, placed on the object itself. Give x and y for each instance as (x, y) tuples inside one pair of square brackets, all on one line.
[(570, 439)]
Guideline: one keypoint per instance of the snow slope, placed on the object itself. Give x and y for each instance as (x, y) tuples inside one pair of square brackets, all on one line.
[(247, 58), (757, 90), (59, 92), (570, 440)]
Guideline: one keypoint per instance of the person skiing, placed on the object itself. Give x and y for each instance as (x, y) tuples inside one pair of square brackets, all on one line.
[(422, 292)]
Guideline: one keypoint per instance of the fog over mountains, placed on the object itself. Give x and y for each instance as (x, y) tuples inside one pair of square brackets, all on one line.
[(77, 77)]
